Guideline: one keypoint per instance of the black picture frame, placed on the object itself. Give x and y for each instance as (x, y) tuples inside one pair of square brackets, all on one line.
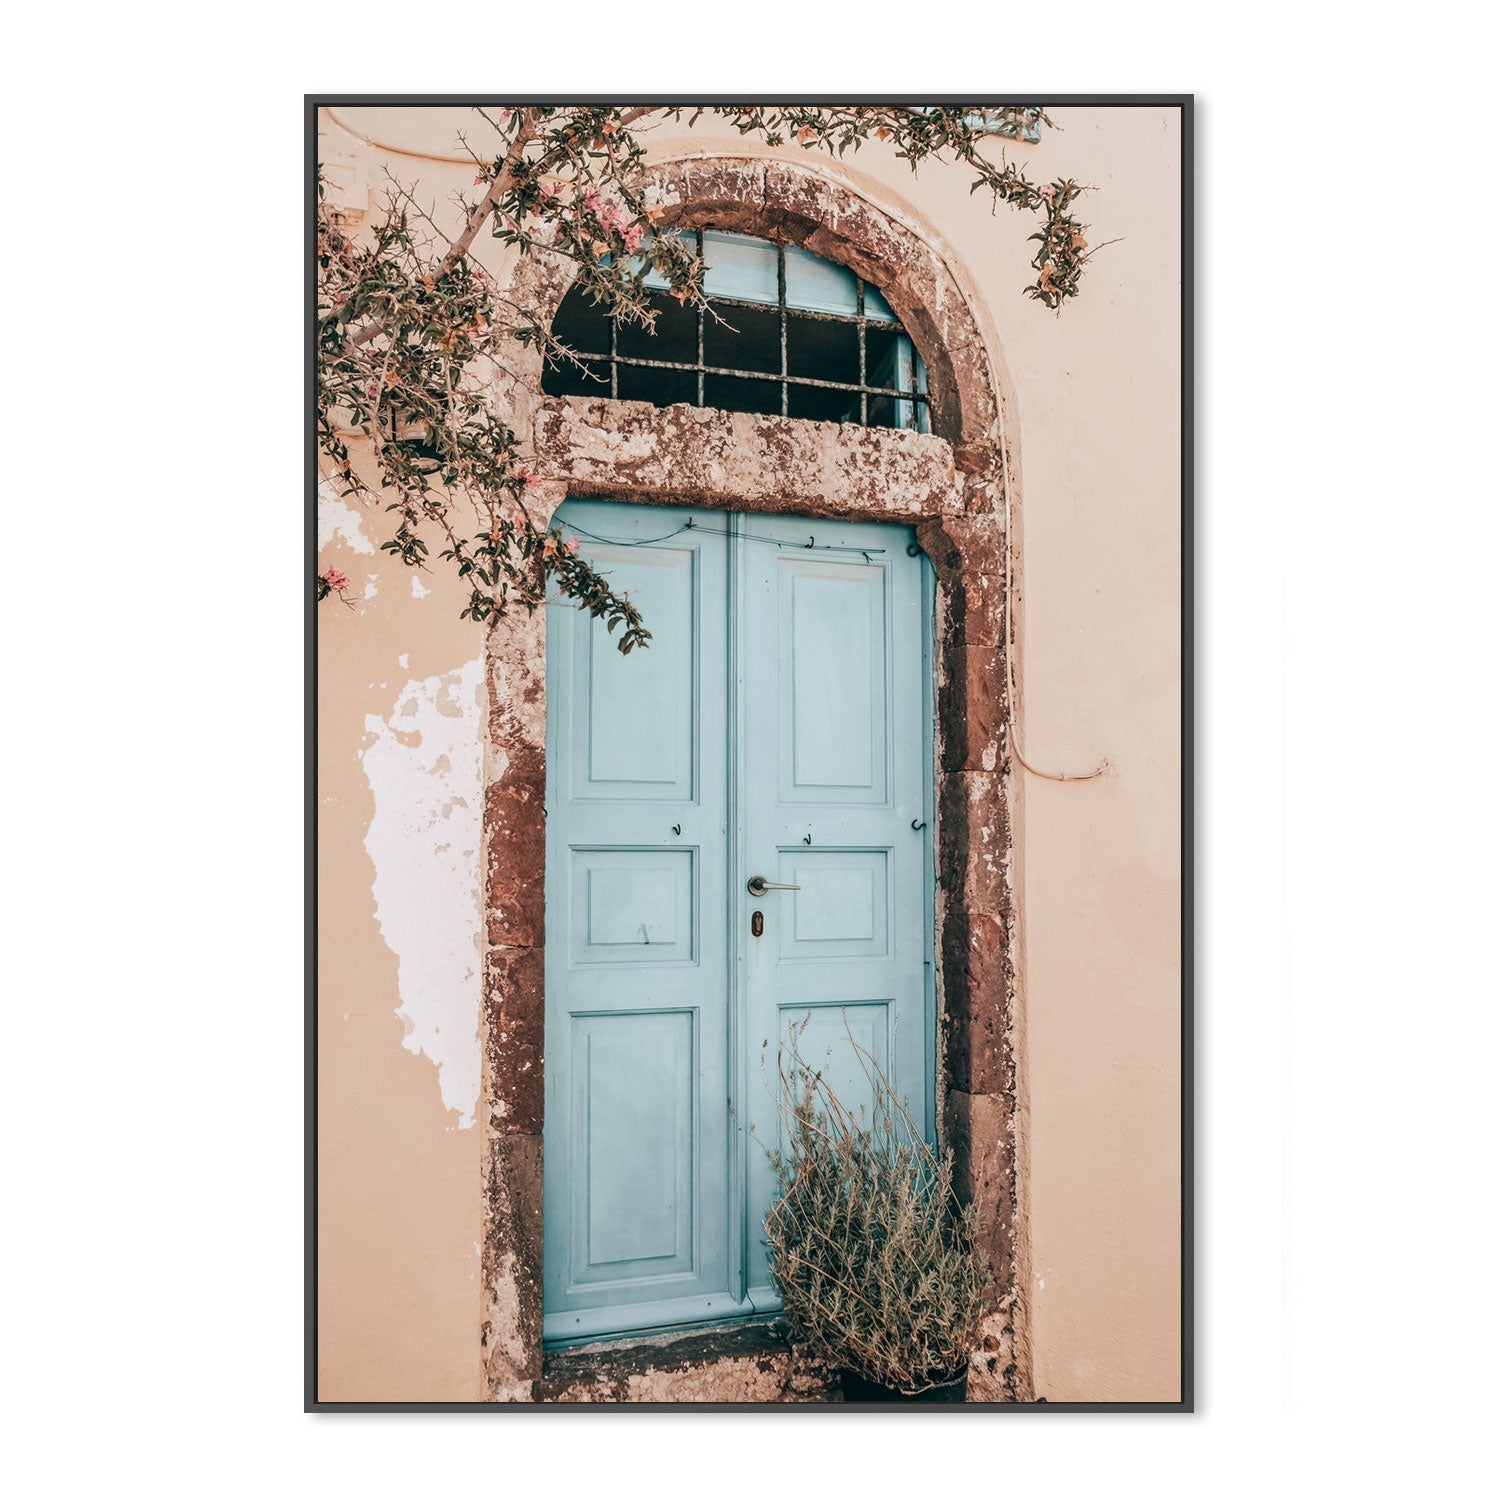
[(313, 102)]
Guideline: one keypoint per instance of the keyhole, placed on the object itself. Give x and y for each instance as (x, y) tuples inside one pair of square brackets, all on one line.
[(757, 923)]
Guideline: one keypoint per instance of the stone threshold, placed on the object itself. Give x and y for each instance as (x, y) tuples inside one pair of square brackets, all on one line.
[(753, 1363)]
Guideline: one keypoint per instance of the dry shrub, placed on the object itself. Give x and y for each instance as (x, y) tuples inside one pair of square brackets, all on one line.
[(870, 1249)]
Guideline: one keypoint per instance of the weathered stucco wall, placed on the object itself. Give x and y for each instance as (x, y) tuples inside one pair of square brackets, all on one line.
[(398, 816), (1094, 395), (1099, 391)]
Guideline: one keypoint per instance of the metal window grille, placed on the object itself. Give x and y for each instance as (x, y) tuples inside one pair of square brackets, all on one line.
[(910, 397)]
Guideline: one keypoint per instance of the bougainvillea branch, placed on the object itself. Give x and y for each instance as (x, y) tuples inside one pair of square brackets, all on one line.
[(412, 334)]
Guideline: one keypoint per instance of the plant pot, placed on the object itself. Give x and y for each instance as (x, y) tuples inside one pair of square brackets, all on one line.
[(857, 1388)]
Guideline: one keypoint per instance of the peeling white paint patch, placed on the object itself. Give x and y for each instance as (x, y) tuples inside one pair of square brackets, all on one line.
[(336, 519), (424, 766), (417, 591), (370, 588)]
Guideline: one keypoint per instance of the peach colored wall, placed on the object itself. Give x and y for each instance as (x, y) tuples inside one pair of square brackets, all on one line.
[(1100, 887), (1094, 394), (398, 1184)]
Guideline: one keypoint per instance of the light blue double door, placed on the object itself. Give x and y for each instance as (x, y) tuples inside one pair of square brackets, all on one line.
[(778, 727)]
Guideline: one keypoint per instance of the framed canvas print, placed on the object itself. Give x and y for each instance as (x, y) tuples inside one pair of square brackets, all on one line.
[(750, 618)]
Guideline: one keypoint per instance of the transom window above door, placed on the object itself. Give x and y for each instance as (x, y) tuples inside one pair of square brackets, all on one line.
[(784, 332)]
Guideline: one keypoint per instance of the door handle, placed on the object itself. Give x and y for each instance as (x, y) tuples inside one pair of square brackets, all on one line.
[(758, 885)]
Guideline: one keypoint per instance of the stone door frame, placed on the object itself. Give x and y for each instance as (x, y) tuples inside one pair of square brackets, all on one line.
[(954, 487)]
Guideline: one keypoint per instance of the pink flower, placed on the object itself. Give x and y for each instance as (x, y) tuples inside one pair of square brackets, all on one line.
[(548, 189), (611, 217), (1049, 192), (632, 237), (518, 519), (528, 476), (505, 115), (572, 545), (336, 580), (591, 201)]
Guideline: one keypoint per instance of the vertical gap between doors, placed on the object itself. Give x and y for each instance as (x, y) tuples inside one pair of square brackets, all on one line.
[(930, 1018), (737, 1071)]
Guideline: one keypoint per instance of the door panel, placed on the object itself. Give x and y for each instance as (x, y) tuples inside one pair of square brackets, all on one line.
[(625, 753), (841, 908), (636, 1166), (831, 713), (633, 906), (633, 1078), (834, 776), (824, 1041), (776, 726)]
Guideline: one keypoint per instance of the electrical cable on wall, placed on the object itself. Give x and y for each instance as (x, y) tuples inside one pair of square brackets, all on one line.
[(810, 545), (1012, 733)]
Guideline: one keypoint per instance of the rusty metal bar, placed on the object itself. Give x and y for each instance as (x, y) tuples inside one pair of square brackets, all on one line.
[(859, 306), (702, 318), (781, 316), (807, 380), (808, 312)]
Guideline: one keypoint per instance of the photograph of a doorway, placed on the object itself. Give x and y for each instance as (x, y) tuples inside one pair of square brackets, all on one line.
[(875, 337), (547, 988), (739, 837)]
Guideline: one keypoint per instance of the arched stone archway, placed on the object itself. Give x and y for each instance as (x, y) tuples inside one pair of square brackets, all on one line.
[(952, 487), (787, 201)]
